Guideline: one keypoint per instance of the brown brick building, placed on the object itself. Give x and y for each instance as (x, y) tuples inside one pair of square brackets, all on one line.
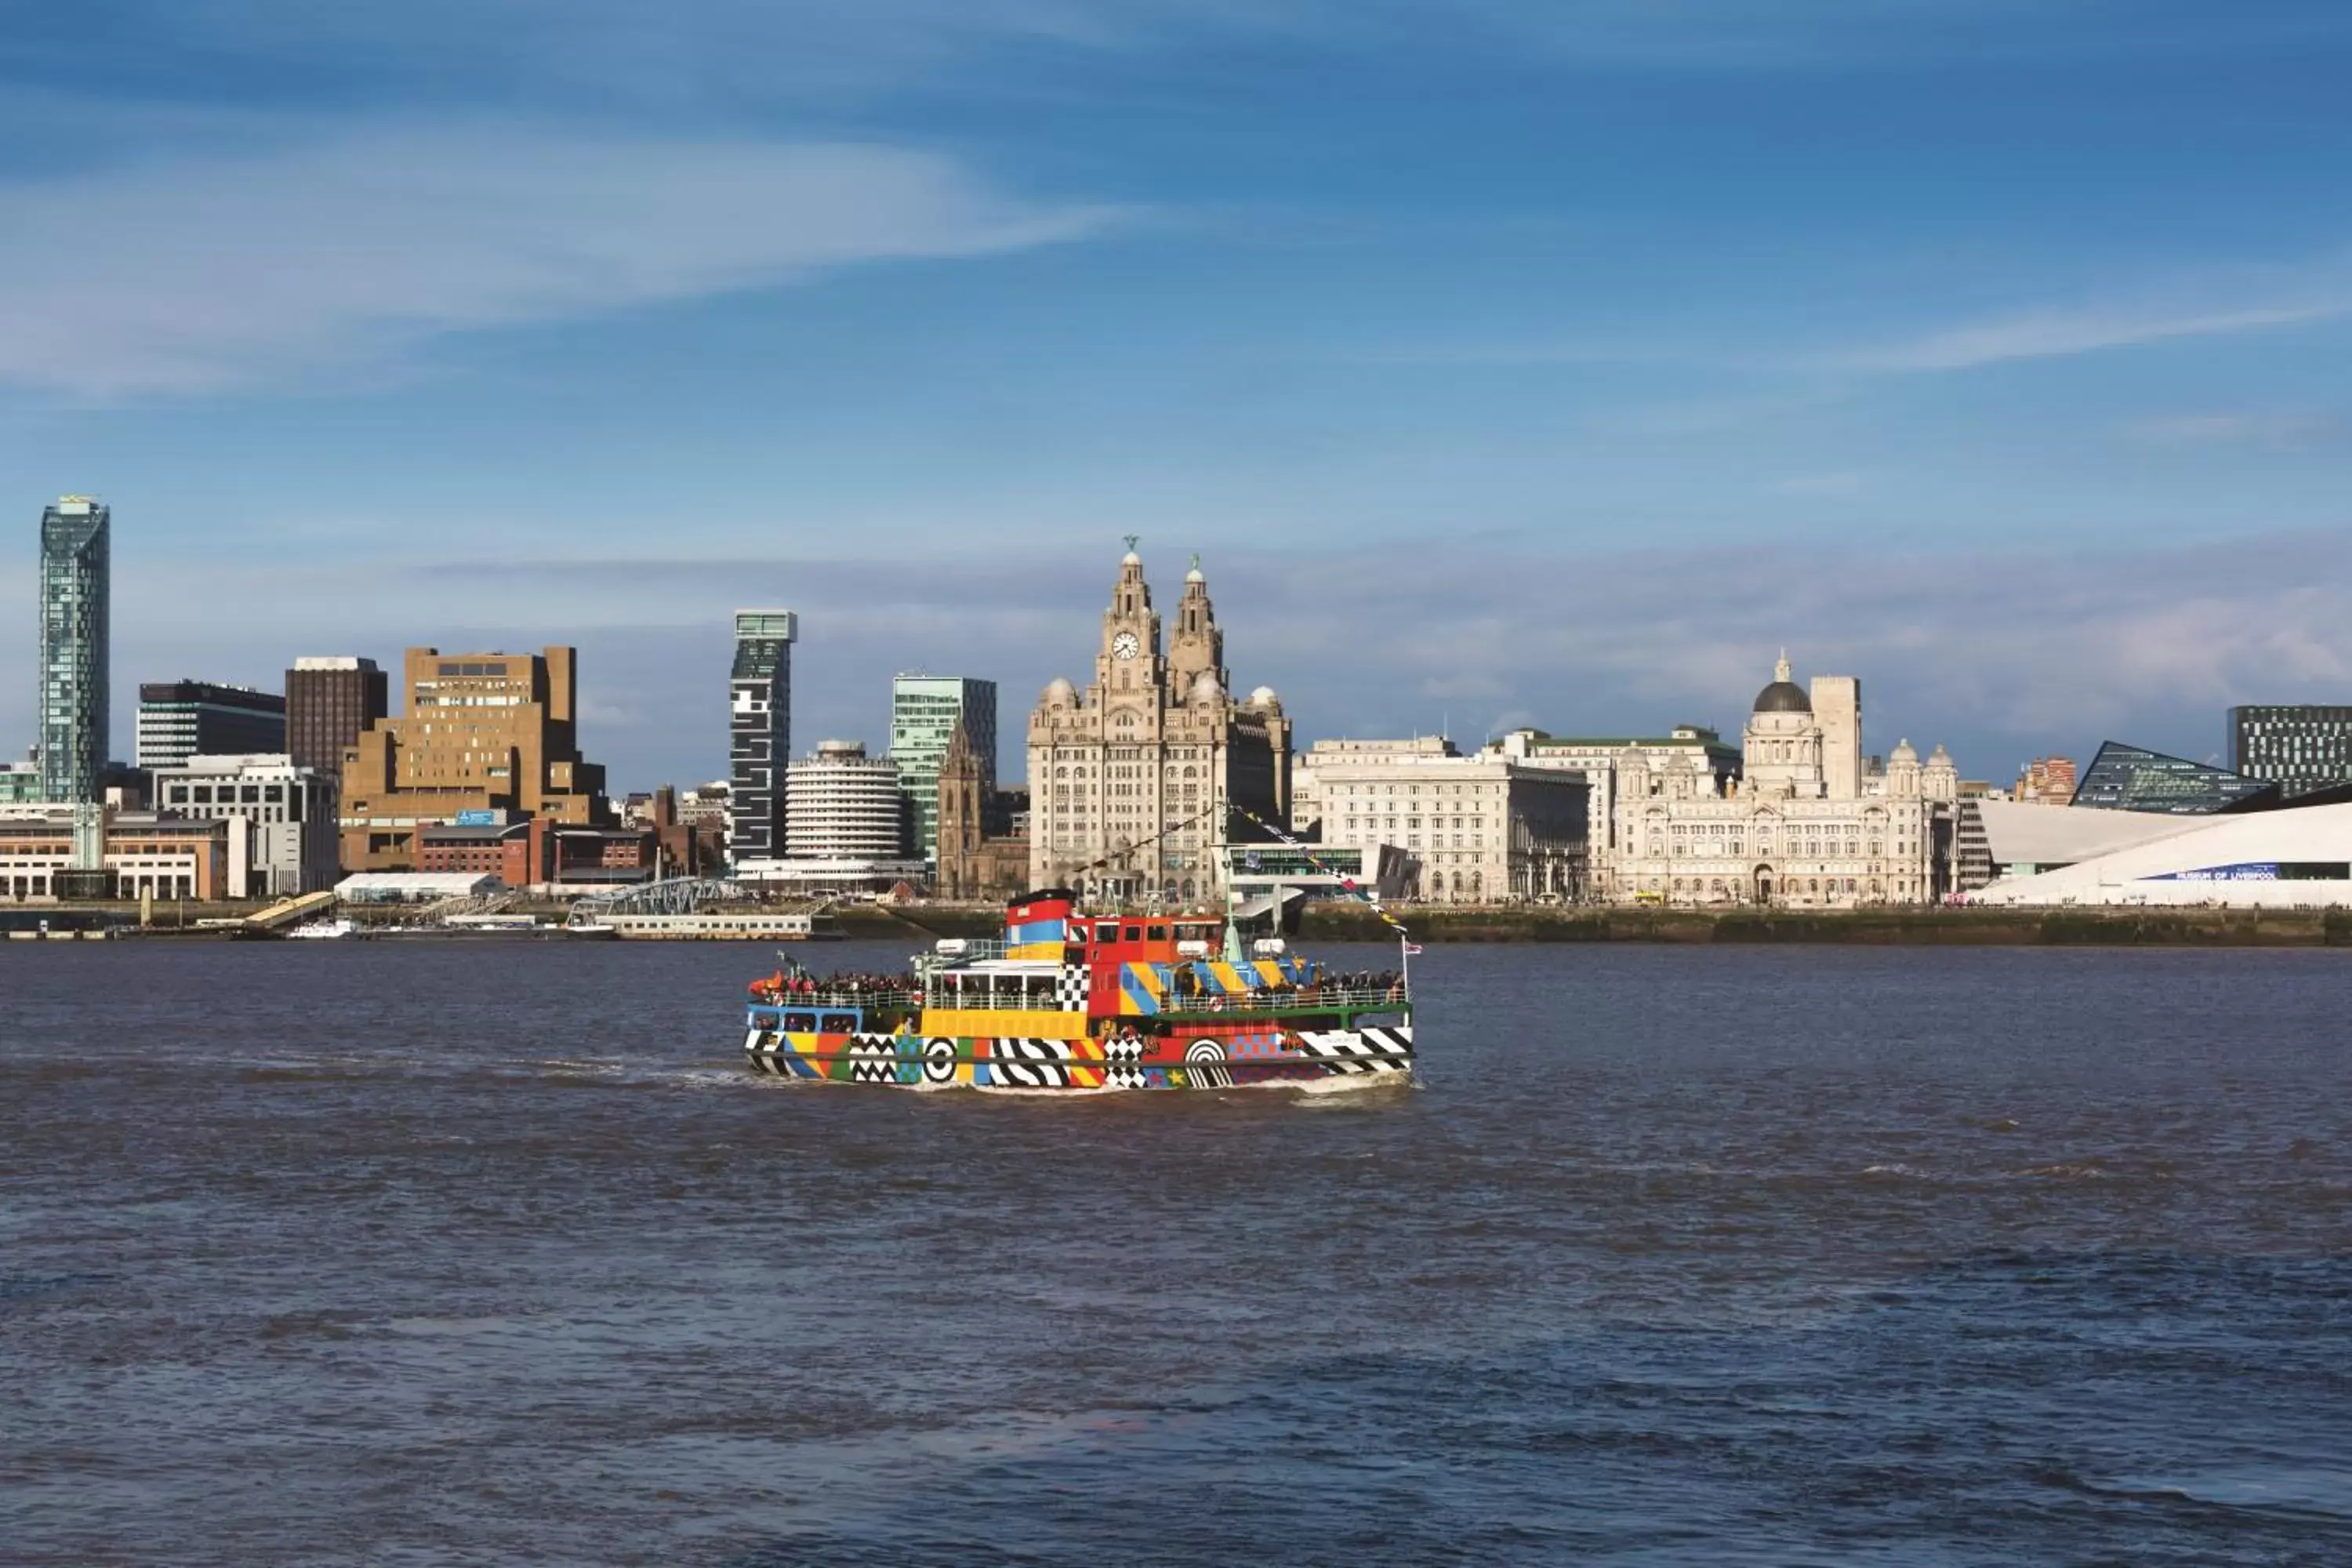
[(329, 704), (483, 732)]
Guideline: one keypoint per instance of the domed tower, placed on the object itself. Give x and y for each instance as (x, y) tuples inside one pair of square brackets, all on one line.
[(1782, 744), (1198, 646), (1940, 779), (1902, 771)]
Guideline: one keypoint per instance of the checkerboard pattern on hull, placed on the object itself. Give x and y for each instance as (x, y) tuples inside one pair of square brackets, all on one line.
[(1125, 1061)]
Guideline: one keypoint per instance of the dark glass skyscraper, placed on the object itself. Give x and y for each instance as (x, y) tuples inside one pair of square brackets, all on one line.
[(760, 732), (2133, 778), (75, 586), (2301, 749)]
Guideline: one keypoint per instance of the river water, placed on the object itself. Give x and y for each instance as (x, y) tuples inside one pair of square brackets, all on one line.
[(411, 1254)]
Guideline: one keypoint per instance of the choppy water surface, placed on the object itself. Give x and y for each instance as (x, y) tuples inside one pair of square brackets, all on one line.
[(414, 1254)]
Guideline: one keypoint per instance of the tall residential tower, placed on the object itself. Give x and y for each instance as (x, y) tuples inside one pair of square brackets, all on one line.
[(760, 732), (74, 648)]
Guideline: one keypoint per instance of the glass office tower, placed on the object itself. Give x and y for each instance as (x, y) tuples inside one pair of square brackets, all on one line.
[(760, 732), (924, 712), (2133, 778), (73, 713)]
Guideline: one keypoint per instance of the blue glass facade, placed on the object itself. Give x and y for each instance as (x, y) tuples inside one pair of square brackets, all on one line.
[(2133, 778)]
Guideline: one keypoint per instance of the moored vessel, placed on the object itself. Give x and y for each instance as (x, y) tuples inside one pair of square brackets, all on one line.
[(1077, 1001)]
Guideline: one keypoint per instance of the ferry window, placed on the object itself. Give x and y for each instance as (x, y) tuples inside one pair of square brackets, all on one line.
[(800, 1023), (1159, 933), (839, 1023), (1135, 933)]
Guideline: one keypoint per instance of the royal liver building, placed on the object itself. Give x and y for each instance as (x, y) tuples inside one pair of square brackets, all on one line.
[(1810, 823), (1135, 781)]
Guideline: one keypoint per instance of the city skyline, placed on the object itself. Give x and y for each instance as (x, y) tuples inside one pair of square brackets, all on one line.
[(1990, 352)]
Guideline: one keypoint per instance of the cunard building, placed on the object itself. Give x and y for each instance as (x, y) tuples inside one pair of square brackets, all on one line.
[(1136, 779)]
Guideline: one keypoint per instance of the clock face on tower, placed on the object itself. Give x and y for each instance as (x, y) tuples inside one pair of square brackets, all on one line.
[(1127, 645)]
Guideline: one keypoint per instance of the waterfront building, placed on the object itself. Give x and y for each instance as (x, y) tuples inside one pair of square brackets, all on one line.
[(980, 853), (2295, 857), (330, 701), (1479, 829), (2133, 778), (540, 853), (760, 732), (1694, 748), (75, 646), (292, 844), (183, 719), (925, 712), (2301, 749), (1133, 782), (846, 806), (20, 783), (2047, 781), (1792, 830), (136, 854), (483, 732)]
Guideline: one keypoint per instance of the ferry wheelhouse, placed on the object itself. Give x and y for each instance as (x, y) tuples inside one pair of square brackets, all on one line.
[(1075, 1002)]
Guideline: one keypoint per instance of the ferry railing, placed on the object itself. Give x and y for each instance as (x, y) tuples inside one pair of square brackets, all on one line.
[(877, 1001), (1301, 999)]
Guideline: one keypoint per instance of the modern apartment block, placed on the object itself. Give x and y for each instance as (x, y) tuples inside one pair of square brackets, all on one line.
[(289, 845), (2301, 749), (330, 701), (75, 588), (484, 732), (183, 719), (924, 712), (760, 732), (846, 806)]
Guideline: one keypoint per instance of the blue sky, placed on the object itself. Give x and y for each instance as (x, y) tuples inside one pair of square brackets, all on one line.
[(1507, 363)]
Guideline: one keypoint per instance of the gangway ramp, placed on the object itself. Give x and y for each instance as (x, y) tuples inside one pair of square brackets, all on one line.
[(290, 911)]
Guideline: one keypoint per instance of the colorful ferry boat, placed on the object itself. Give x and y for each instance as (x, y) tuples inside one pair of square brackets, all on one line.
[(1077, 1001)]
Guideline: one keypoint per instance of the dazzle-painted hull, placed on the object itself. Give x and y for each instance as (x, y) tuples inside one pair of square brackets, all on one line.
[(1307, 1059)]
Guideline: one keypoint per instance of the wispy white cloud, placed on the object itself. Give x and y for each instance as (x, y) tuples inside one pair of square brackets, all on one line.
[(2255, 427), (2062, 333), (183, 274), (1822, 484)]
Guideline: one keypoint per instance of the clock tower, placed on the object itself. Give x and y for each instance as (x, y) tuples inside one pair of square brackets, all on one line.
[(1134, 781)]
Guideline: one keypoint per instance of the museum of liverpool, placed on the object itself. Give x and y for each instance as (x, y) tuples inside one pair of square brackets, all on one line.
[(2150, 830)]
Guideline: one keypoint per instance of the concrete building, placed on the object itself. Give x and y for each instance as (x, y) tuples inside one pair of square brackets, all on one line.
[(925, 712), (979, 853), (292, 843), (2302, 748), (1692, 748), (183, 719), (846, 806), (2297, 857), (760, 732), (1482, 829), (75, 589), (483, 732), (138, 854), (1782, 834), (1135, 781), (331, 699)]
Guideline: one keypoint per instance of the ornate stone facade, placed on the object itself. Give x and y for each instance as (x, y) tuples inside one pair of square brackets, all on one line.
[(1143, 770), (978, 855), (1791, 831)]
